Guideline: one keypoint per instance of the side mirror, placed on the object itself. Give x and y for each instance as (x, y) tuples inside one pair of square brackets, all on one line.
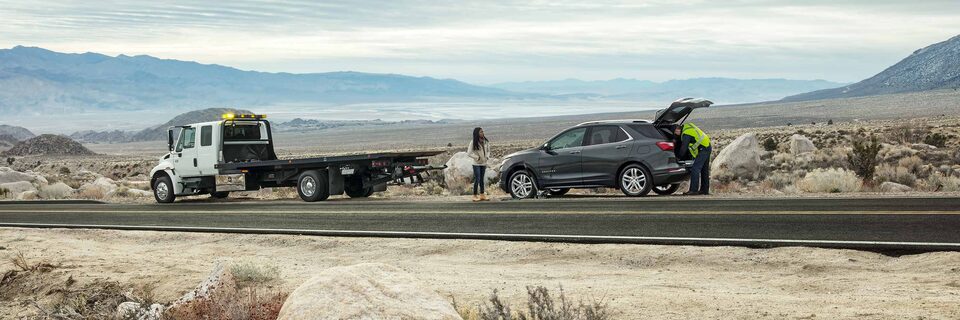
[(170, 139), (545, 147)]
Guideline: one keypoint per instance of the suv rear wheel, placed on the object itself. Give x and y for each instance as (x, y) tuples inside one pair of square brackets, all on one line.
[(522, 185), (312, 186), (635, 181)]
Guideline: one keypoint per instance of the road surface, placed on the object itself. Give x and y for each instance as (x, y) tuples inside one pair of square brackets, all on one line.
[(876, 224)]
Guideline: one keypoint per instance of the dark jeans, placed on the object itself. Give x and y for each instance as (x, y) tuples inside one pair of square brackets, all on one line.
[(478, 178), (700, 172)]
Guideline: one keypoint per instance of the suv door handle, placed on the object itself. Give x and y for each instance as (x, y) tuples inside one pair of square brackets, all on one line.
[(621, 147), (574, 152)]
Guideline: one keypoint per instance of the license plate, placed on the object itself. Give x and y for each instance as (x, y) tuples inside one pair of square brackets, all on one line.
[(347, 171), (231, 182)]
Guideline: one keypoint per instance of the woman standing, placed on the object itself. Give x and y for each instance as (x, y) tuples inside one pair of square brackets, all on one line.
[(479, 151)]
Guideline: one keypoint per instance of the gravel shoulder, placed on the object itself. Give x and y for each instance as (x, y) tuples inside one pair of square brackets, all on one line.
[(637, 281)]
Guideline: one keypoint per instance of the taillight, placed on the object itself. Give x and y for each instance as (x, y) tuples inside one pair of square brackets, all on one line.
[(423, 162), (665, 145), (380, 163)]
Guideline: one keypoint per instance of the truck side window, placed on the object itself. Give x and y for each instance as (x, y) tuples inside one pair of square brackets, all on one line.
[(188, 138), (206, 136)]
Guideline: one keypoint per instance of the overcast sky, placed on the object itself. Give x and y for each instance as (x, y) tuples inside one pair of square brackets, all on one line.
[(490, 41)]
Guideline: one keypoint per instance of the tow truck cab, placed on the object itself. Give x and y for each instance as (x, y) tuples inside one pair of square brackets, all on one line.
[(237, 154)]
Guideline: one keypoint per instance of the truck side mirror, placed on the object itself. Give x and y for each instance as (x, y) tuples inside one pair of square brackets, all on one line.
[(170, 139)]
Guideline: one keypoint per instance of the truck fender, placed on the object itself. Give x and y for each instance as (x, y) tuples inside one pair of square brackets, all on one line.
[(156, 173)]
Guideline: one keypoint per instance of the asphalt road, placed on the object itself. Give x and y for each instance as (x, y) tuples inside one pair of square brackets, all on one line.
[(878, 224)]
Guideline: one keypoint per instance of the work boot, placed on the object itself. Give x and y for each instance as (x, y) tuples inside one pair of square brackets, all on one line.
[(476, 198), (483, 197), (691, 193)]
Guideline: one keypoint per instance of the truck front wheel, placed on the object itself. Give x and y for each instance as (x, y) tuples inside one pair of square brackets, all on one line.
[(312, 186), (163, 190)]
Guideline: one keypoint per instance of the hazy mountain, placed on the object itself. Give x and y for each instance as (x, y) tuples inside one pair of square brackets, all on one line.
[(721, 90), (47, 144), (19, 133), (37, 81), (934, 67)]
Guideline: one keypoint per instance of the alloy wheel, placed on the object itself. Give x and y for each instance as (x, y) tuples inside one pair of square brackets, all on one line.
[(308, 186), (521, 185), (634, 180)]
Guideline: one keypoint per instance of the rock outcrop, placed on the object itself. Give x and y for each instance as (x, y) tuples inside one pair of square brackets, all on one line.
[(458, 175), (741, 158), (894, 187), (800, 144), (365, 291), (48, 144), (216, 292)]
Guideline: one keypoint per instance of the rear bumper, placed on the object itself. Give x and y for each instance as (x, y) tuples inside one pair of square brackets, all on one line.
[(671, 176)]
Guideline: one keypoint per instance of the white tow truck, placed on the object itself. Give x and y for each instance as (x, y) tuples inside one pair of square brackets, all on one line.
[(237, 154)]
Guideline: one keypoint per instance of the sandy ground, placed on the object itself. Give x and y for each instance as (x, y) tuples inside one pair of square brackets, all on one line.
[(638, 281)]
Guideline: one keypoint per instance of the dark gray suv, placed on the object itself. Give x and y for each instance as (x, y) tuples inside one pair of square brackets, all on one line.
[(636, 156)]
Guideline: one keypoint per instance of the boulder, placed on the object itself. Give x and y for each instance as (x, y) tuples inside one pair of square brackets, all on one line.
[(741, 158), (217, 292), (365, 291), (9, 175), (57, 190), (28, 195), (459, 173), (18, 187), (894, 187), (800, 144)]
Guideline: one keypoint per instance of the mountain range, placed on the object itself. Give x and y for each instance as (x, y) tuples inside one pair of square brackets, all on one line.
[(934, 67)]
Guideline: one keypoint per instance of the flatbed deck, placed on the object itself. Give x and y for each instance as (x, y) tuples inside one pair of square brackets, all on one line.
[(325, 160)]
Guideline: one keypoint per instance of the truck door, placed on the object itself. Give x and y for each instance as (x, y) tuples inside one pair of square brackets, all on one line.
[(560, 160), (186, 153), (207, 151)]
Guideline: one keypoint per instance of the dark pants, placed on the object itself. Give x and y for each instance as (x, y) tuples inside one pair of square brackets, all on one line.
[(478, 178), (700, 172)]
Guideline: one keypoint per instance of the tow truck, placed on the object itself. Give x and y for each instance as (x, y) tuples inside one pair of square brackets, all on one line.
[(237, 153)]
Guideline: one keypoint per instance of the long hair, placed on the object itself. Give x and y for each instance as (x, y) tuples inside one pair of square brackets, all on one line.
[(477, 141)]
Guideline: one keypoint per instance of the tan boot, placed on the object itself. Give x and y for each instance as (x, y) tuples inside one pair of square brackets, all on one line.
[(476, 198), (483, 197)]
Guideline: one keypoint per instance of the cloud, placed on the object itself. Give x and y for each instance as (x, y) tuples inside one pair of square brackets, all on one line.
[(489, 41)]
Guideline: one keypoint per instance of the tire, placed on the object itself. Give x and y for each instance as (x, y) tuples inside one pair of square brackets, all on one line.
[(220, 195), (163, 190), (522, 185), (558, 192), (354, 188), (638, 174), (666, 190), (313, 185)]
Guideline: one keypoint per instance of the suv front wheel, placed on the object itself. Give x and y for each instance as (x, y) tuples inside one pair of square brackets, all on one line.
[(635, 181), (522, 185)]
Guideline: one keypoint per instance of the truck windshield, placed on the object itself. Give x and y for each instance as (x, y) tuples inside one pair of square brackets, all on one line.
[(241, 131)]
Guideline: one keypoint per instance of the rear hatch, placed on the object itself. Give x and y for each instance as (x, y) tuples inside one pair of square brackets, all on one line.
[(678, 111)]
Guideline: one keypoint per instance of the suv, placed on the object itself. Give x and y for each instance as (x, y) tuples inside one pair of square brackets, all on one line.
[(636, 156)]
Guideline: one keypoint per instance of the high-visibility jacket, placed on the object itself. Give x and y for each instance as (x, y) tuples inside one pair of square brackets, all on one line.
[(700, 139)]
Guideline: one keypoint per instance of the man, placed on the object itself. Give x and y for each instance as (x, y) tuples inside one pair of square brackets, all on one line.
[(697, 144)]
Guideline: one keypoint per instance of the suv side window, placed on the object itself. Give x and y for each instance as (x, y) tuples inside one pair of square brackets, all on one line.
[(648, 131), (605, 134), (569, 139)]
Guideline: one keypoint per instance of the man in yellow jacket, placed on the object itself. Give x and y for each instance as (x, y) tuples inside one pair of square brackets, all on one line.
[(696, 143)]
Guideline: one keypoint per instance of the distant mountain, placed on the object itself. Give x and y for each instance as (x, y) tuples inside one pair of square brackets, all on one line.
[(38, 81), (19, 133), (934, 67), (47, 144), (721, 90)]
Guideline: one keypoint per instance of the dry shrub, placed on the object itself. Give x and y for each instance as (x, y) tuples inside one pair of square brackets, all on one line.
[(20, 261), (940, 182), (4, 193), (913, 164), (251, 274), (899, 175), (830, 181), (863, 158), (891, 153), (92, 192), (247, 304), (540, 306), (780, 180)]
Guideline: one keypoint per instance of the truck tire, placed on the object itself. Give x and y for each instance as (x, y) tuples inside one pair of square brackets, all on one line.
[(163, 190), (354, 188), (312, 186), (220, 195)]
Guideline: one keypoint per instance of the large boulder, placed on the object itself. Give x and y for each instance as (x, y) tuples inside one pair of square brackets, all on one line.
[(459, 173), (9, 175), (365, 291), (17, 187), (740, 159), (800, 144), (217, 292), (894, 187)]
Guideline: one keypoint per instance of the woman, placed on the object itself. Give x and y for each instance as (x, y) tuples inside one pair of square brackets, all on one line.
[(479, 151)]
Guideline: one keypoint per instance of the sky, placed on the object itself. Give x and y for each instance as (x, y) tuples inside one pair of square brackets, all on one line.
[(490, 41)]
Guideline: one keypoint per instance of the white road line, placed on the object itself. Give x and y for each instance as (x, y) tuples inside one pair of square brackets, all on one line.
[(434, 210), (468, 235)]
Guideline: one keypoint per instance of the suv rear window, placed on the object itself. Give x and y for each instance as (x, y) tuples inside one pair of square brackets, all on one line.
[(604, 135), (648, 131)]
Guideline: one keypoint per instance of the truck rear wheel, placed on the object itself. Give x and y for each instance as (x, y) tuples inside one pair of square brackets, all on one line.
[(354, 188), (163, 190), (312, 186), (220, 194)]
